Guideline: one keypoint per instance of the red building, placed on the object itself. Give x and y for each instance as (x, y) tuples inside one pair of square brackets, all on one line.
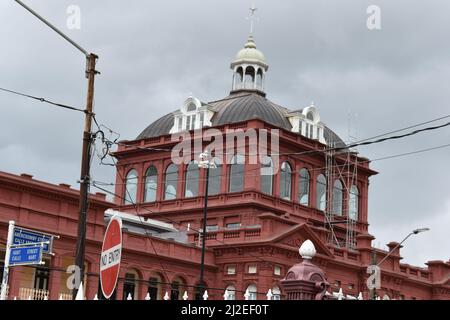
[(306, 185)]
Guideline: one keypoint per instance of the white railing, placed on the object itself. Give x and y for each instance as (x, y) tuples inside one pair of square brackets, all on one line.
[(65, 296), (33, 294)]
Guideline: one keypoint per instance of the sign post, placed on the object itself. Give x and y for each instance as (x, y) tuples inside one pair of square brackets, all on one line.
[(24, 247), (111, 256), (7, 257)]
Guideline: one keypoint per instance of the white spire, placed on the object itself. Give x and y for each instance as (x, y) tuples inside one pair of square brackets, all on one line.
[(185, 296), (80, 293)]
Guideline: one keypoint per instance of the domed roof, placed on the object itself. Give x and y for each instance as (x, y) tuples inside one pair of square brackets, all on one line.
[(237, 107), (249, 54)]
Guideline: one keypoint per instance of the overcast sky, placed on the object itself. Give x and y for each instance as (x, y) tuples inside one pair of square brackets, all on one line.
[(153, 54)]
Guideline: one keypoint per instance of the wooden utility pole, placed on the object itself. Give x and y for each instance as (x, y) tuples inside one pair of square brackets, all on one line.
[(91, 60), (85, 169)]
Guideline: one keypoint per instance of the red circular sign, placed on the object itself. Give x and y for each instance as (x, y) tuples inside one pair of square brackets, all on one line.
[(111, 256)]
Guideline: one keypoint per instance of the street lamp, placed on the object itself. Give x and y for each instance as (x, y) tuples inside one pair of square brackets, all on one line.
[(377, 266), (416, 231), (205, 163)]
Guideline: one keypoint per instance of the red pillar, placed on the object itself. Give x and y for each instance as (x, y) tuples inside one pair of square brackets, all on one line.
[(54, 286)]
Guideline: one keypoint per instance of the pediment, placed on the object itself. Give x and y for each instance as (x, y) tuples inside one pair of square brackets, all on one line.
[(294, 237)]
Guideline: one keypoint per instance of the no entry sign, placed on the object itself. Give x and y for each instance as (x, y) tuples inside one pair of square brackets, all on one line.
[(110, 257)]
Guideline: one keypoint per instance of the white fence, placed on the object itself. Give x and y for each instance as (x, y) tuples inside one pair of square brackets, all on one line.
[(33, 294), (39, 294)]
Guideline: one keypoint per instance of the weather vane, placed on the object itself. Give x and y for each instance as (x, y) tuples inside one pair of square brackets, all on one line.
[(252, 17)]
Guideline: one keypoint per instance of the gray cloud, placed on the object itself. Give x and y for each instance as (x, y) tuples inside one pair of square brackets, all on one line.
[(154, 53)]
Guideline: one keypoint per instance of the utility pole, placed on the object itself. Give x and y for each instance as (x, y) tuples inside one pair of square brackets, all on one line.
[(91, 60), (85, 169)]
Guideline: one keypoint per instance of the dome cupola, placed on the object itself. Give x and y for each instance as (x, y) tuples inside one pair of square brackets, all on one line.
[(249, 69)]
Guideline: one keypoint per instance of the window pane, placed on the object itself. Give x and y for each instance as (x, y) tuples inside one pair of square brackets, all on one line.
[(303, 196), (286, 181), (252, 290), (192, 177), (180, 123), (188, 122), (202, 119), (151, 184), (337, 198), (231, 293), (193, 122), (321, 202), (131, 187), (237, 174), (215, 175), (266, 175), (354, 203), (171, 182)]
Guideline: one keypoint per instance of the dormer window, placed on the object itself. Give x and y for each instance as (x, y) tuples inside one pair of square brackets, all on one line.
[(191, 116), (307, 123)]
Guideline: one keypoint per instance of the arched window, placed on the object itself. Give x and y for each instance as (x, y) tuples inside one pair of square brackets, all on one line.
[(303, 187), (199, 290), (259, 79), (249, 77), (253, 292), (155, 289), (171, 182), (321, 193), (231, 293), (337, 198), (178, 288), (266, 172), (191, 107), (286, 181), (131, 187), (239, 77), (130, 285), (151, 184), (192, 177), (237, 173), (354, 203), (276, 293), (215, 174)]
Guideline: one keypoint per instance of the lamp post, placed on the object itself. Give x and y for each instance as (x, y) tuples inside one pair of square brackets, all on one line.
[(416, 231), (204, 163), (377, 265)]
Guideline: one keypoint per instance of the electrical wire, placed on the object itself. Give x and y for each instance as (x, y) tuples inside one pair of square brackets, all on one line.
[(43, 100)]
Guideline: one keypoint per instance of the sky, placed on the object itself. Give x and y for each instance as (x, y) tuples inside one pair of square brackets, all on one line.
[(154, 54)]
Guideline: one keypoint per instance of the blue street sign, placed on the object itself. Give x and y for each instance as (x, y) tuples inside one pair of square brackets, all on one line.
[(25, 255), (24, 236)]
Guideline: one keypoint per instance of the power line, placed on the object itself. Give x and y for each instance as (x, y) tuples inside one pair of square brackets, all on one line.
[(405, 128), (43, 100), (248, 174), (364, 142)]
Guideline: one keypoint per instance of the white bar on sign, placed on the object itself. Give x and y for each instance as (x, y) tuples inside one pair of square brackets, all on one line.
[(110, 257)]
